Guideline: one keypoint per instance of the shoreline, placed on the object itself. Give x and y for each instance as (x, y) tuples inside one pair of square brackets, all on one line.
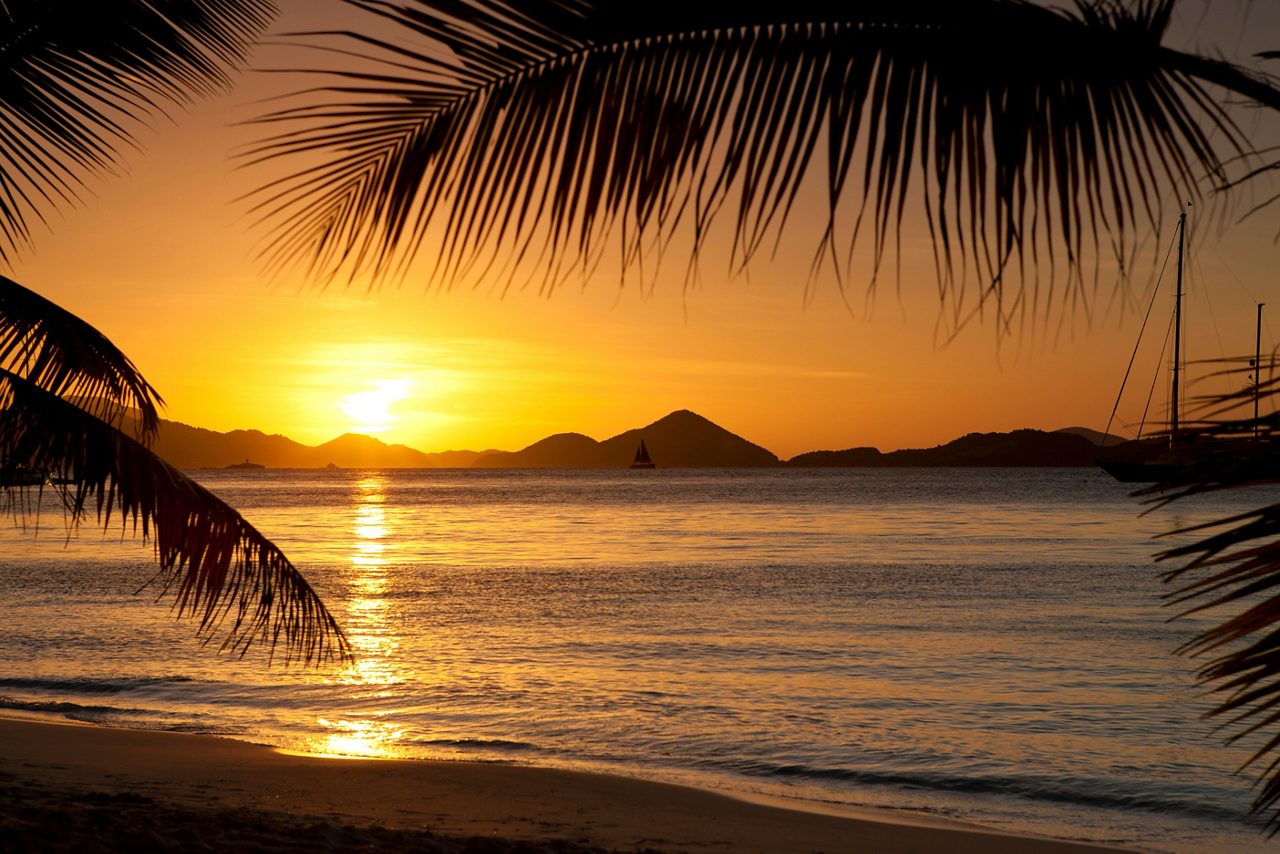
[(51, 768)]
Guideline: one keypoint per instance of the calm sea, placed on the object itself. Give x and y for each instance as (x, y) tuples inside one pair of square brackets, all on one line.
[(988, 645)]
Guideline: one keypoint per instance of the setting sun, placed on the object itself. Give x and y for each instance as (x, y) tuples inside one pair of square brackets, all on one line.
[(370, 411)]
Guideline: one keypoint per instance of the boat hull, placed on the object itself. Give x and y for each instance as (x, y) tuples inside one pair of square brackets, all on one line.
[(1140, 471)]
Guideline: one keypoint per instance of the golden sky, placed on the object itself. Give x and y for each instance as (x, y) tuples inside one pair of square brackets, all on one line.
[(160, 259)]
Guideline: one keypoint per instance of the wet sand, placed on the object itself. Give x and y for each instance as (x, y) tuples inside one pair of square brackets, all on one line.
[(67, 787)]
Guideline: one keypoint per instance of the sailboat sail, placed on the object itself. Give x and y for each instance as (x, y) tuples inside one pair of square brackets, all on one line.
[(642, 460)]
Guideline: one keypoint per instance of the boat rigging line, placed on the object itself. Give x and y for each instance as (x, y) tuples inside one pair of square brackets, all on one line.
[(1133, 356)]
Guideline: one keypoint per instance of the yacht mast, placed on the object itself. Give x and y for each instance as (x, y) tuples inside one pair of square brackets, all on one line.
[(1177, 334), (1257, 370)]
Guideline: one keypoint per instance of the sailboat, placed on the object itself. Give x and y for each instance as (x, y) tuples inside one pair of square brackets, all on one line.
[(1145, 461), (643, 461)]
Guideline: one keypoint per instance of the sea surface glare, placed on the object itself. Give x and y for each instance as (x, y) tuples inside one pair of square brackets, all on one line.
[(988, 645)]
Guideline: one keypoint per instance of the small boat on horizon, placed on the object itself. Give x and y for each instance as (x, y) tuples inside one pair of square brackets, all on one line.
[(643, 460), (246, 465)]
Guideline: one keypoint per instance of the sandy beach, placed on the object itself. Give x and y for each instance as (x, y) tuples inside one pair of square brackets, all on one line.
[(75, 787)]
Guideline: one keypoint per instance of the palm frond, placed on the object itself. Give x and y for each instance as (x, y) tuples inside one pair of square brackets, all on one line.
[(1231, 569), (76, 75), (517, 133), (64, 355), (219, 570)]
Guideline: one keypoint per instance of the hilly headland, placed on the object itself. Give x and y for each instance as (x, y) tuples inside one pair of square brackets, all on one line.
[(682, 439), (190, 447), (1017, 448)]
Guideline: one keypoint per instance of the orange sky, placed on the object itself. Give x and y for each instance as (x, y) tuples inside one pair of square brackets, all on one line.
[(160, 260)]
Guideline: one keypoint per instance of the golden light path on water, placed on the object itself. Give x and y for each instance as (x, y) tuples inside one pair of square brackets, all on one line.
[(371, 630)]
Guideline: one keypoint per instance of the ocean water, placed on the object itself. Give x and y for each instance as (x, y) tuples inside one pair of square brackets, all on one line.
[(987, 645)]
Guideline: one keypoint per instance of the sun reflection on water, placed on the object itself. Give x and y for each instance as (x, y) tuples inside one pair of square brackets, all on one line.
[(370, 628), (372, 739)]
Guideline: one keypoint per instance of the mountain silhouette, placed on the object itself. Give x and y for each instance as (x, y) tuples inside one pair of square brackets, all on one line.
[(561, 451), (1018, 448), (1097, 437), (190, 447), (354, 450), (682, 439)]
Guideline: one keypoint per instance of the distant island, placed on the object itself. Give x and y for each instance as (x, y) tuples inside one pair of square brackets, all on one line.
[(190, 447), (1021, 448), (682, 439)]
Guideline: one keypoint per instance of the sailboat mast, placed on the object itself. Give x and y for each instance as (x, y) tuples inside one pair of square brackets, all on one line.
[(1177, 333), (1257, 370)]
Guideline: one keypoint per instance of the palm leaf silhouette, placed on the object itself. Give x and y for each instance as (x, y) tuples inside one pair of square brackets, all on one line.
[(60, 353), (76, 75), (1231, 567), (530, 132), (220, 570)]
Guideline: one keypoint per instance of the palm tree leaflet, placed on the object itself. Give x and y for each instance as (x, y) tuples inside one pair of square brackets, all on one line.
[(75, 75), (1035, 142)]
